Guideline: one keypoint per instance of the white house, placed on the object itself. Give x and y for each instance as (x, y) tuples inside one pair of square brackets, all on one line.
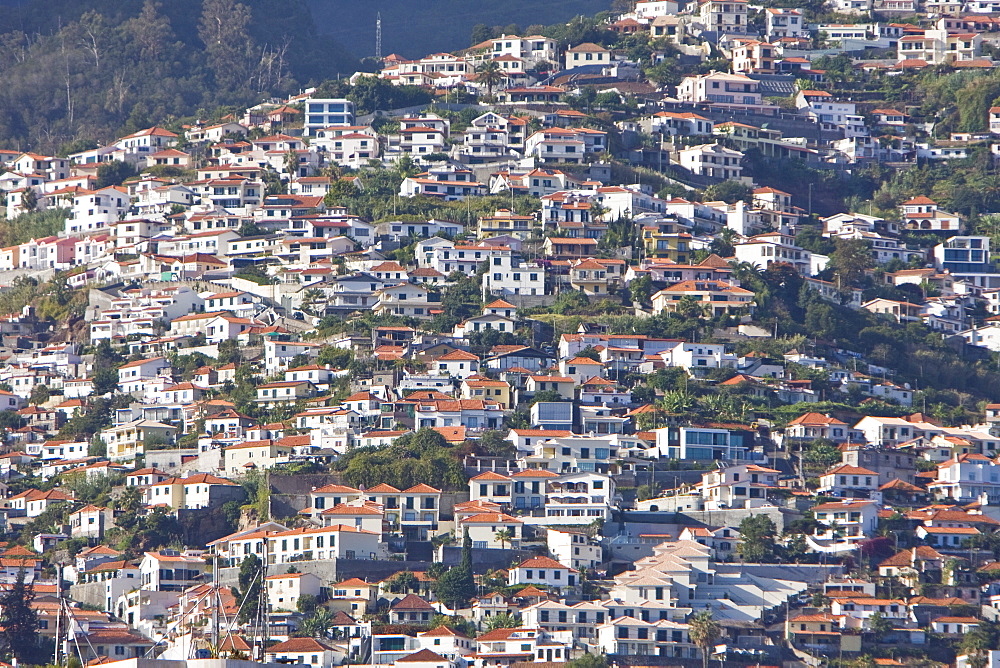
[(713, 160), (543, 571)]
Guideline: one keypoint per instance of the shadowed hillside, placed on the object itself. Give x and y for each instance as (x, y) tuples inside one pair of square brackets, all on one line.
[(414, 29)]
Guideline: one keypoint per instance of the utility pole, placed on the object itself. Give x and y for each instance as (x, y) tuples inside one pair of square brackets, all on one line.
[(217, 599), (55, 659)]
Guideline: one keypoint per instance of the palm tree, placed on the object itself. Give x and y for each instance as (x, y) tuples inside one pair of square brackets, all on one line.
[(836, 533), (597, 211), (722, 245), (309, 299), (504, 536), (292, 164), (746, 272), (319, 623), (504, 620), (704, 631), (490, 74), (691, 307)]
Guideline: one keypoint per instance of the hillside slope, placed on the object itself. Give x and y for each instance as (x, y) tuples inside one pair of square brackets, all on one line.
[(89, 69), (429, 26)]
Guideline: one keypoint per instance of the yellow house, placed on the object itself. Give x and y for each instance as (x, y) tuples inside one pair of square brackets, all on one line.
[(718, 297), (478, 387), (505, 222), (816, 631), (566, 387), (125, 441), (675, 246), (264, 454)]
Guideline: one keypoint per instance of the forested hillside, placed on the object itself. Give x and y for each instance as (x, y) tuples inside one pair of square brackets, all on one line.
[(83, 70), (416, 29)]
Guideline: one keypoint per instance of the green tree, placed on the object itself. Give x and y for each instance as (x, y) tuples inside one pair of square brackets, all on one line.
[(340, 193), (114, 173), (291, 164), (589, 661), (224, 30), (461, 301), (39, 395), (466, 561), (506, 620), (489, 74), (403, 582), (106, 363), (150, 33), (879, 626), (249, 229), (722, 244), (704, 631), (480, 33), (664, 73), (307, 603), (318, 623), (457, 586), (250, 586), (29, 200), (97, 447), (822, 453), (863, 661), (641, 289), (728, 191), (646, 492), (976, 643), (230, 352), (850, 260), (504, 536), (757, 534), (495, 444), (337, 358), (20, 621)]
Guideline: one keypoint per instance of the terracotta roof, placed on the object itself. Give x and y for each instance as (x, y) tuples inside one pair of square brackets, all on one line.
[(298, 645), (412, 602), (422, 489), (423, 656), (847, 469), (491, 475), (542, 562), (490, 518), (442, 632), (905, 558), (353, 582)]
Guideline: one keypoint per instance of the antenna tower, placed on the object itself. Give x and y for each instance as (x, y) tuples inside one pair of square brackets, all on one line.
[(378, 36)]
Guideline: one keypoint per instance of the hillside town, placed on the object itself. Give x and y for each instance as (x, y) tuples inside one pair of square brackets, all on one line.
[(673, 343)]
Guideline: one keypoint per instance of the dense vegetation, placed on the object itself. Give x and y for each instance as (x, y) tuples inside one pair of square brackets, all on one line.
[(79, 73)]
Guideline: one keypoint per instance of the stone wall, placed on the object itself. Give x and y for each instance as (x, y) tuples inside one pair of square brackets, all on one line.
[(91, 593), (203, 525)]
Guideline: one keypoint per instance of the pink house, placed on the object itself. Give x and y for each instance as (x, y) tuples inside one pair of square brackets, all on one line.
[(48, 253)]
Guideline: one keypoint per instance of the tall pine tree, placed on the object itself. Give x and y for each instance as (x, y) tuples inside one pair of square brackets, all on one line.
[(456, 586), (20, 621)]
